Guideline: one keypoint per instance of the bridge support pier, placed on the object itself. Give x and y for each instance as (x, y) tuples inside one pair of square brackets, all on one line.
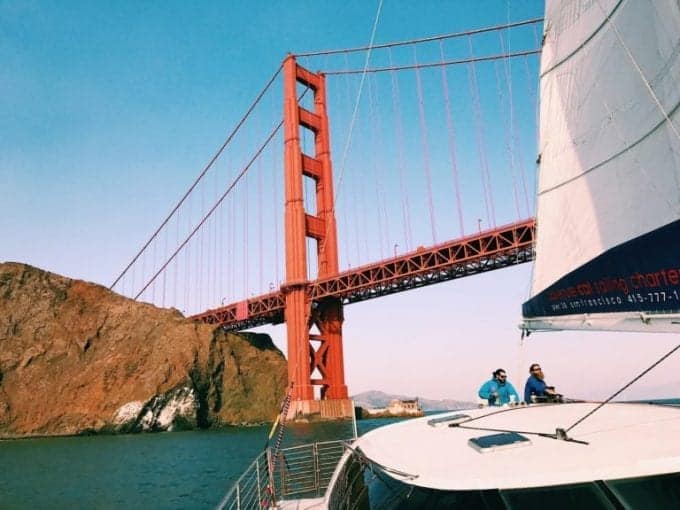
[(310, 365)]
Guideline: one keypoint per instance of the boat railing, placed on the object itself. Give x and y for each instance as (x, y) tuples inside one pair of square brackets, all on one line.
[(292, 473)]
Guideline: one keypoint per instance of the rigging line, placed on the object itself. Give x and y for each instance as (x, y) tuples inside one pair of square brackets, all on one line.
[(584, 43), (356, 105), (635, 379), (642, 75), (362, 456), (215, 206), (350, 130), (423, 39), (437, 64), (541, 434), (205, 170)]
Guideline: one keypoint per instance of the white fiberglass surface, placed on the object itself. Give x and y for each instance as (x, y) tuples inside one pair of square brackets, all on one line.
[(624, 441)]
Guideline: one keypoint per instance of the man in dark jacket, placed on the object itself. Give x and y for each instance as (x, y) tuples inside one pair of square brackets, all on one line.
[(537, 388)]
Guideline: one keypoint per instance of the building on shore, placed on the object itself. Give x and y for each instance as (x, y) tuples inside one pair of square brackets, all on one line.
[(395, 408)]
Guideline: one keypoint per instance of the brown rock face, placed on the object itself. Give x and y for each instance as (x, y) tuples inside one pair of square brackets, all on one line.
[(76, 357)]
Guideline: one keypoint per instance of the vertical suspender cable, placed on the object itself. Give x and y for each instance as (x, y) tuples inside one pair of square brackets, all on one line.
[(481, 145), (351, 196), (187, 263), (426, 150), (215, 221), (452, 142), (376, 141), (516, 147), (401, 156), (260, 205), (348, 142), (200, 256), (507, 132), (246, 204)]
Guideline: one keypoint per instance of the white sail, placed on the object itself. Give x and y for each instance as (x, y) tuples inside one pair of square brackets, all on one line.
[(608, 209)]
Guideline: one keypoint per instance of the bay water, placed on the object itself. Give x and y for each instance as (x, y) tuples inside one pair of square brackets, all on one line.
[(171, 470)]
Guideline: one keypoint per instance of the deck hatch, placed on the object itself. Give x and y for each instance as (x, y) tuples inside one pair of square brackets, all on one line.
[(494, 442), (447, 419)]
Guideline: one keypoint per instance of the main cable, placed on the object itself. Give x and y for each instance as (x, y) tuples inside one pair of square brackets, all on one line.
[(200, 176)]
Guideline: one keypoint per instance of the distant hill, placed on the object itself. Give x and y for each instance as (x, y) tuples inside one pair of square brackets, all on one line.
[(376, 399)]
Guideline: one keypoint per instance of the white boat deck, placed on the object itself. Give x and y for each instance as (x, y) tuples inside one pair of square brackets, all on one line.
[(625, 440), (302, 504)]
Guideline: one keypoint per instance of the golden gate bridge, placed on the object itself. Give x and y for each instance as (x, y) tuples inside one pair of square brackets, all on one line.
[(436, 136)]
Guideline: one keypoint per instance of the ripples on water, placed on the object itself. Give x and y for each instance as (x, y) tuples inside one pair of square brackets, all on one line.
[(175, 470), (178, 470)]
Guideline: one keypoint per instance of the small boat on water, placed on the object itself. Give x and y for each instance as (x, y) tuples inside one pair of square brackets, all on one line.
[(607, 258)]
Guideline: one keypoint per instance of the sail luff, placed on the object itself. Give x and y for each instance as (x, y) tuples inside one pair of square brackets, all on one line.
[(608, 198)]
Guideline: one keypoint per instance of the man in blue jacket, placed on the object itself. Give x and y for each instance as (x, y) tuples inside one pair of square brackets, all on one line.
[(498, 390), (536, 386)]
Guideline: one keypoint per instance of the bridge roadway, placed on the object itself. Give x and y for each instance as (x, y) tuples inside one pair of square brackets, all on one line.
[(488, 250)]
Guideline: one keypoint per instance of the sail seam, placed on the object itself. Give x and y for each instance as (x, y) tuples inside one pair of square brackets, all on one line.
[(580, 47), (614, 156), (643, 77)]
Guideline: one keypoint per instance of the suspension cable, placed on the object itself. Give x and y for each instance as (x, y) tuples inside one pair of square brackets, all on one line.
[(452, 35), (200, 176), (212, 209), (438, 64)]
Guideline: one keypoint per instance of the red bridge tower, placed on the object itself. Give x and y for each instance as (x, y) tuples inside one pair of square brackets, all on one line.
[(314, 359)]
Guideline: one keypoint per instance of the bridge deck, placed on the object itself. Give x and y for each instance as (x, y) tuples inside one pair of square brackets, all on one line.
[(486, 251)]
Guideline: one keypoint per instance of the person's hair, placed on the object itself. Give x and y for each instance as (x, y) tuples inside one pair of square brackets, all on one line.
[(531, 368), (498, 371)]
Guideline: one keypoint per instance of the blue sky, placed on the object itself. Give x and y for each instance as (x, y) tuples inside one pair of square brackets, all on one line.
[(108, 113)]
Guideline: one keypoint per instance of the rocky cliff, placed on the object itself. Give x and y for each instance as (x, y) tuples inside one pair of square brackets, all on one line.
[(76, 357)]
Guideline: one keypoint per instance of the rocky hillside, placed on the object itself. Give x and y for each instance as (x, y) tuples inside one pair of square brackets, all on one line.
[(76, 358)]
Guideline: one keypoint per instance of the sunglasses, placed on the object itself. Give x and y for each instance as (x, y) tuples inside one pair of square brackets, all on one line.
[(536, 369), (502, 376)]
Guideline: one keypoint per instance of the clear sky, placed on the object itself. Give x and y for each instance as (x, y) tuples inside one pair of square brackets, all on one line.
[(108, 112)]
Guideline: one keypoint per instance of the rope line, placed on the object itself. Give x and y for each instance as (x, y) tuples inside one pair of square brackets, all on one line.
[(634, 380), (356, 103)]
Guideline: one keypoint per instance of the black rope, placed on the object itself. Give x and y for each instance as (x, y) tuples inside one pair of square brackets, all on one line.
[(669, 353), (541, 434)]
